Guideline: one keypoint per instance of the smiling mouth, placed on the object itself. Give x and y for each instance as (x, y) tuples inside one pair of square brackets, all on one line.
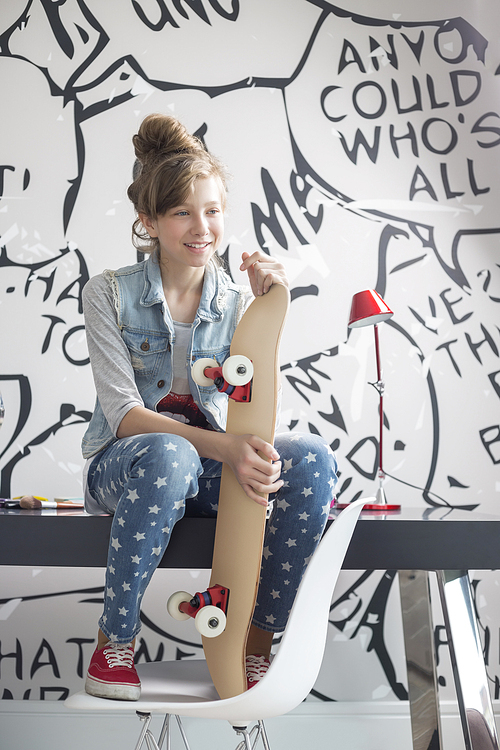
[(198, 246)]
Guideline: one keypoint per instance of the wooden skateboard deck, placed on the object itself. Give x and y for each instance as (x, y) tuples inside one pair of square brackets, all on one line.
[(241, 521)]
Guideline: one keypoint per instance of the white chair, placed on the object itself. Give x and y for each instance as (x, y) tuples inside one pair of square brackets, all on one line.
[(184, 688)]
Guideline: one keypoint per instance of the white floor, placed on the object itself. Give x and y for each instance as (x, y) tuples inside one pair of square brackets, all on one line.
[(48, 725)]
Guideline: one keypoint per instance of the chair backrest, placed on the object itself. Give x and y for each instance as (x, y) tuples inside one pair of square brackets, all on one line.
[(295, 667)]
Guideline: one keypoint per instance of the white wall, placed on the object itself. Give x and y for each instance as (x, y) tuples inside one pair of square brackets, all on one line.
[(281, 92)]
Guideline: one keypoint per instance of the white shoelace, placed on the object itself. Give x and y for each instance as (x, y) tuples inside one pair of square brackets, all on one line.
[(256, 667), (119, 655)]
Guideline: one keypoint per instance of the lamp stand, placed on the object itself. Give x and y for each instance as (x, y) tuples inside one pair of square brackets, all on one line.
[(381, 499), (380, 387), (380, 503)]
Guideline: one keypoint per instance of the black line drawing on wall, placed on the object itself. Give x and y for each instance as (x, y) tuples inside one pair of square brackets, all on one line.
[(364, 154)]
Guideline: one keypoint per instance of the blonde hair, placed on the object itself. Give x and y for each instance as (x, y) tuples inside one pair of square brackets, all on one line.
[(169, 160)]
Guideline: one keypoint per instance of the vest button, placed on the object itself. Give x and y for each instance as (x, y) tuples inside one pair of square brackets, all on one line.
[(160, 383), (145, 346)]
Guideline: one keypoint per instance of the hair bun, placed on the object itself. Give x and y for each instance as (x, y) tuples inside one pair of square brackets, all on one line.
[(160, 136)]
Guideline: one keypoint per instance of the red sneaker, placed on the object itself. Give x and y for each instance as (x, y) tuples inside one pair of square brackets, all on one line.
[(112, 673), (256, 667)]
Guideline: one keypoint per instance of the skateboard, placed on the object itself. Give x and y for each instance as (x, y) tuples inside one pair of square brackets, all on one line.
[(250, 377)]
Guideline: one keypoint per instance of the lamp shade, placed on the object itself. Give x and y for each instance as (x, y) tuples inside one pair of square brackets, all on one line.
[(367, 309)]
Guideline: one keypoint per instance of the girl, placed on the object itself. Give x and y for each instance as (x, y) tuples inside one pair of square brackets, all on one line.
[(156, 442)]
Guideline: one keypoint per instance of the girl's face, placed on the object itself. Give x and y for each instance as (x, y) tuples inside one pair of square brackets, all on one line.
[(190, 234)]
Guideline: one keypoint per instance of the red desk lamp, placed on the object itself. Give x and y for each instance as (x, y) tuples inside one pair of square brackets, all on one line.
[(369, 309)]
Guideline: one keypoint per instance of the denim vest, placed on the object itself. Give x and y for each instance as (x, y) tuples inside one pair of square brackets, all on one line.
[(147, 328)]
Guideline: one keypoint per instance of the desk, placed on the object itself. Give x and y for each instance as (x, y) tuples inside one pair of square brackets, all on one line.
[(413, 541)]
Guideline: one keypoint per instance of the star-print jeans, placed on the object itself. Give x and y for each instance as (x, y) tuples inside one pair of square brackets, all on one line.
[(148, 482)]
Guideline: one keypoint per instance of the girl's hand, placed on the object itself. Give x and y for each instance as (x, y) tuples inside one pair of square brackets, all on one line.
[(253, 472), (263, 272)]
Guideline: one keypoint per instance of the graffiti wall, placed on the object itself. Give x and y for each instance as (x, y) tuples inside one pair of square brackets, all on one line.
[(364, 151)]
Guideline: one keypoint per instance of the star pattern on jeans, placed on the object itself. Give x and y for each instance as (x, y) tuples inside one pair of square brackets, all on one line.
[(139, 488), (147, 514), (306, 503)]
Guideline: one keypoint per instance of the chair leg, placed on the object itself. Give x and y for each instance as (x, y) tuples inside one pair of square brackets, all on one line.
[(146, 734), (165, 733), (183, 734), (263, 733), (148, 737), (250, 739), (245, 744)]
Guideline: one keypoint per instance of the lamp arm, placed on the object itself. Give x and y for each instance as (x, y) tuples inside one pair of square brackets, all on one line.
[(377, 353), (380, 388)]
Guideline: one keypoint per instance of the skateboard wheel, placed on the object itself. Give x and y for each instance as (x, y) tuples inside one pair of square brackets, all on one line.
[(237, 370), (210, 621), (173, 605), (198, 371)]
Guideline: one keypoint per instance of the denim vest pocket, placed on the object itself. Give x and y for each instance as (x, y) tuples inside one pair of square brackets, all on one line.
[(147, 351)]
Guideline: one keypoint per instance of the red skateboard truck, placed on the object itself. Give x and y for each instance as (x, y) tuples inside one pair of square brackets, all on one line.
[(207, 608), (234, 377)]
